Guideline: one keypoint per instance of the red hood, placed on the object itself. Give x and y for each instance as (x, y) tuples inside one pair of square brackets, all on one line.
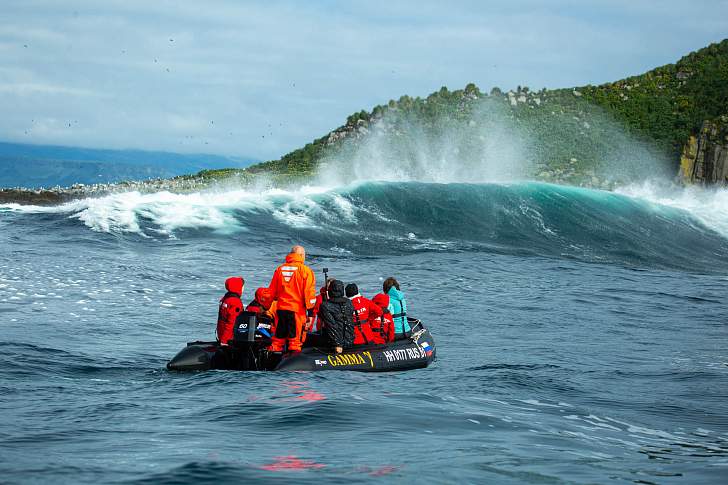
[(264, 297), (235, 285), (381, 300), (294, 258)]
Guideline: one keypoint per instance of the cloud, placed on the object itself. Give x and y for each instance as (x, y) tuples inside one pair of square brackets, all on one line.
[(29, 89), (261, 79)]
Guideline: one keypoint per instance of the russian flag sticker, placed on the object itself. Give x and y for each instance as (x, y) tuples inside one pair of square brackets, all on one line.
[(426, 347)]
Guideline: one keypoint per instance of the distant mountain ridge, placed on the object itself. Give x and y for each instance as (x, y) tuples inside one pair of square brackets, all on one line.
[(23, 165)]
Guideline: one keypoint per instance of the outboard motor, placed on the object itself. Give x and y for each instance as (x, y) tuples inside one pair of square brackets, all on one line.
[(250, 340), (245, 326)]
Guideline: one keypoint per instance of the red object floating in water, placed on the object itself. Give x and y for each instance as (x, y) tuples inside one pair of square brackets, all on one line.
[(311, 396), (291, 463)]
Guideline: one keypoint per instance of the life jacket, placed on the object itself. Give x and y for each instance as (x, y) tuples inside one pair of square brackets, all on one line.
[(365, 311), (230, 308), (388, 333), (398, 309), (385, 322), (294, 286)]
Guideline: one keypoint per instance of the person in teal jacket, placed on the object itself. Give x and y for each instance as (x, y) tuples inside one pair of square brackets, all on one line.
[(397, 307)]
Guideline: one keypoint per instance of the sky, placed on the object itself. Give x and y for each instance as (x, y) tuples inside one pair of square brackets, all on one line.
[(259, 79)]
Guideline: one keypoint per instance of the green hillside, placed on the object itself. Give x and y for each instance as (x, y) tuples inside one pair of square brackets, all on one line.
[(670, 103)]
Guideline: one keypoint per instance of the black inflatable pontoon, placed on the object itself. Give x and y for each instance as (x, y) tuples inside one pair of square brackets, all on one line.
[(248, 351)]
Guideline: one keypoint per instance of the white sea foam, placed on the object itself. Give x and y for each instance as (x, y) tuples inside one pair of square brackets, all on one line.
[(709, 206), (166, 212)]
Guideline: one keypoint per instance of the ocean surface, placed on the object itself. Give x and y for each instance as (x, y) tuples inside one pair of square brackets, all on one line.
[(582, 337)]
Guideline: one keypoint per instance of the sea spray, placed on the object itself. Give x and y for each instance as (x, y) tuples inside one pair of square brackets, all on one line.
[(486, 145), (559, 139)]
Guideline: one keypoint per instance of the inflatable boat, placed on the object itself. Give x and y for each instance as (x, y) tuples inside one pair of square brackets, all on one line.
[(247, 351)]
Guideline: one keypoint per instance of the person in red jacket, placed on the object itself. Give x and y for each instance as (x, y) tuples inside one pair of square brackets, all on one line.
[(265, 308), (386, 322), (230, 308), (365, 311)]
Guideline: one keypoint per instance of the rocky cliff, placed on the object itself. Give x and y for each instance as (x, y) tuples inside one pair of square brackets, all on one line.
[(704, 158)]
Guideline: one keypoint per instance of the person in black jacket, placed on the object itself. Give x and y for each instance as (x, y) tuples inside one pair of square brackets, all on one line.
[(337, 314)]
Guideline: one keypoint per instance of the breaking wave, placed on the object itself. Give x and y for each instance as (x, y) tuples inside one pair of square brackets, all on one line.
[(645, 225)]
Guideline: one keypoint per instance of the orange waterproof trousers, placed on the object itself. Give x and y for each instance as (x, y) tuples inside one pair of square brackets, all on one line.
[(289, 329)]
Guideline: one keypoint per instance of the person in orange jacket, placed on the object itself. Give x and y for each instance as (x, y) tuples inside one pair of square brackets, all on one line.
[(386, 322), (293, 287), (230, 308)]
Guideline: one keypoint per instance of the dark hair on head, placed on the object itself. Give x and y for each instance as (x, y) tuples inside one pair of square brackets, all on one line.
[(389, 283), (351, 290)]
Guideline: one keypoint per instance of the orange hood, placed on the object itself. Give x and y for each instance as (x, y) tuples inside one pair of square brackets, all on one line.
[(294, 258)]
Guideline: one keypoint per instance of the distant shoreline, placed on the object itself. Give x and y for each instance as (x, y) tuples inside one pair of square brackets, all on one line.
[(61, 195)]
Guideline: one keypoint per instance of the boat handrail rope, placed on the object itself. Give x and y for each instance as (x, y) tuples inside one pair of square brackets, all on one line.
[(414, 323), (415, 336)]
